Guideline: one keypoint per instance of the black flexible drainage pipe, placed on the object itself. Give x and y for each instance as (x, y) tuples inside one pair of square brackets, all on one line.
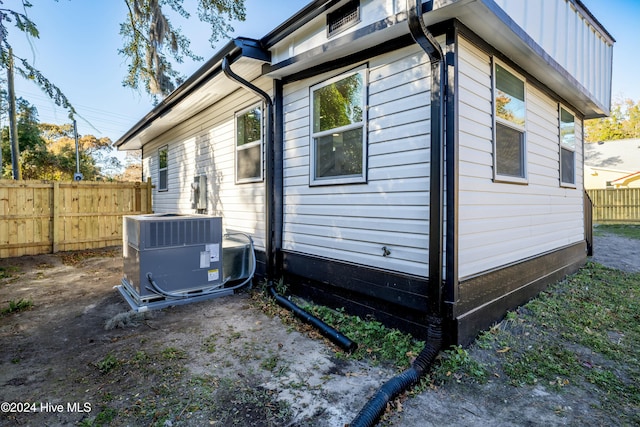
[(332, 334), (376, 406)]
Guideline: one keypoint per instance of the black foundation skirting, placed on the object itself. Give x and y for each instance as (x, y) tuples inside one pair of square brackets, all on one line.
[(486, 298), (394, 299)]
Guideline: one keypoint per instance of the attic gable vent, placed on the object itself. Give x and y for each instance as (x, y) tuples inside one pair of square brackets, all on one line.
[(343, 18)]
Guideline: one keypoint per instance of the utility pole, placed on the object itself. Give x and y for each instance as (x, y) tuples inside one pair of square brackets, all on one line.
[(13, 123), (77, 176)]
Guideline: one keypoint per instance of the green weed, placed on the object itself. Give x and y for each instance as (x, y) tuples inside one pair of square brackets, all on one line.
[(375, 341), (8, 272), (457, 363), (172, 353), (19, 305), (108, 363)]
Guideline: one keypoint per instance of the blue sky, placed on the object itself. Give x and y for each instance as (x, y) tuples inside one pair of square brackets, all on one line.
[(79, 40)]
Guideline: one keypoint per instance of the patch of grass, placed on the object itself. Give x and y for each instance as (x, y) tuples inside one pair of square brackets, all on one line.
[(104, 418), (209, 344), (456, 363), (172, 353), (15, 306), (624, 230), (8, 272), (582, 330), (108, 363), (376, 342)]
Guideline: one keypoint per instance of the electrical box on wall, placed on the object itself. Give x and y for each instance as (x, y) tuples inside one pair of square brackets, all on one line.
[(199, 193)]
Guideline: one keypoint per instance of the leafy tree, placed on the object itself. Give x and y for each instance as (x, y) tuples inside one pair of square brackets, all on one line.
[(47, 151), (28, 133), (151, 42), (623, 123), (150, 39), (96, 159), (132, 167)]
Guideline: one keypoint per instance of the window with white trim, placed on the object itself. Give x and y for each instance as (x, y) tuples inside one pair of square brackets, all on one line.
[(567, 148), (249, 137), (338, 131), (510, 149), (163, 168)]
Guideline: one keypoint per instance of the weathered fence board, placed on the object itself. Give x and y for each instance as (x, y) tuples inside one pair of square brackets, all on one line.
[(620, 205), (41, 217)]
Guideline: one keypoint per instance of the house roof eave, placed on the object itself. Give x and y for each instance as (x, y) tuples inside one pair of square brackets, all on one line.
[(235, 50)]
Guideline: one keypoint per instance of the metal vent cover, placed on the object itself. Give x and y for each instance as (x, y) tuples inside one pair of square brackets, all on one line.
[(168, 230), (343, 18)]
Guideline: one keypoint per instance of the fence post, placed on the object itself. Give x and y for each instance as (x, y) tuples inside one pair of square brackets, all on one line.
[(149, 191), (55, 212)]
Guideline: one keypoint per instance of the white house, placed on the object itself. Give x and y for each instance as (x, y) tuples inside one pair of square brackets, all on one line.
[(399, 158)]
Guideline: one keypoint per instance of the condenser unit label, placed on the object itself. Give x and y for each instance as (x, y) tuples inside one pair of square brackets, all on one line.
[(212, 275), (204, 259), (214, 251)]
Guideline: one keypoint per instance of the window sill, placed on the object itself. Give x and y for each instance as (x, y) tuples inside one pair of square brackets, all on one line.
[(337, 181), (568, 185), (249, 181), (510, 180)]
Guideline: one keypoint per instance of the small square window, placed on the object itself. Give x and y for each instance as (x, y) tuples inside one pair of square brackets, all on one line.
[(163, 168), (249, 145), (338, 130), (509, 126)]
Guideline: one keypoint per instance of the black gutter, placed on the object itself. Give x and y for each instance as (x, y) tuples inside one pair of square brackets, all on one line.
[(376, 406), (234, 49), (268, 150)]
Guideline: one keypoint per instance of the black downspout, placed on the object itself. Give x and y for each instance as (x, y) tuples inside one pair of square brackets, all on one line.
[(336, 337), (376, 406), (269, 203)]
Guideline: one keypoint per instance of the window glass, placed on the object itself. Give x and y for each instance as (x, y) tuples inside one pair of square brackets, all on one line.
[(249, 145), (510, 146), (510, 125), (163, 166), (338, 104), (339, 154), (567, 147), (567, 166), (509, 97), (338, 129)]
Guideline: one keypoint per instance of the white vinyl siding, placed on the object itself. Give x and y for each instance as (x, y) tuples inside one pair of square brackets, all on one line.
[(570, 37), (501, 223), (205, 145), (353, 222)]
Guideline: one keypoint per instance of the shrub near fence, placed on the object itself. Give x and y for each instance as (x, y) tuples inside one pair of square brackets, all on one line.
[(620, 205), (39, 217)]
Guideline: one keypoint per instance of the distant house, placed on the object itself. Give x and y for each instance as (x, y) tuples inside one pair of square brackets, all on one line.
[(612, 164), (410, 160)]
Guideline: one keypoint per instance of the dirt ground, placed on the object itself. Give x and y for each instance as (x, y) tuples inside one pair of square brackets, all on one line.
[(77, 357)]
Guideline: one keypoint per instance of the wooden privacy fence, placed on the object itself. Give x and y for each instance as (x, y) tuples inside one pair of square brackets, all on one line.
[(43, 217), (620, 205)]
